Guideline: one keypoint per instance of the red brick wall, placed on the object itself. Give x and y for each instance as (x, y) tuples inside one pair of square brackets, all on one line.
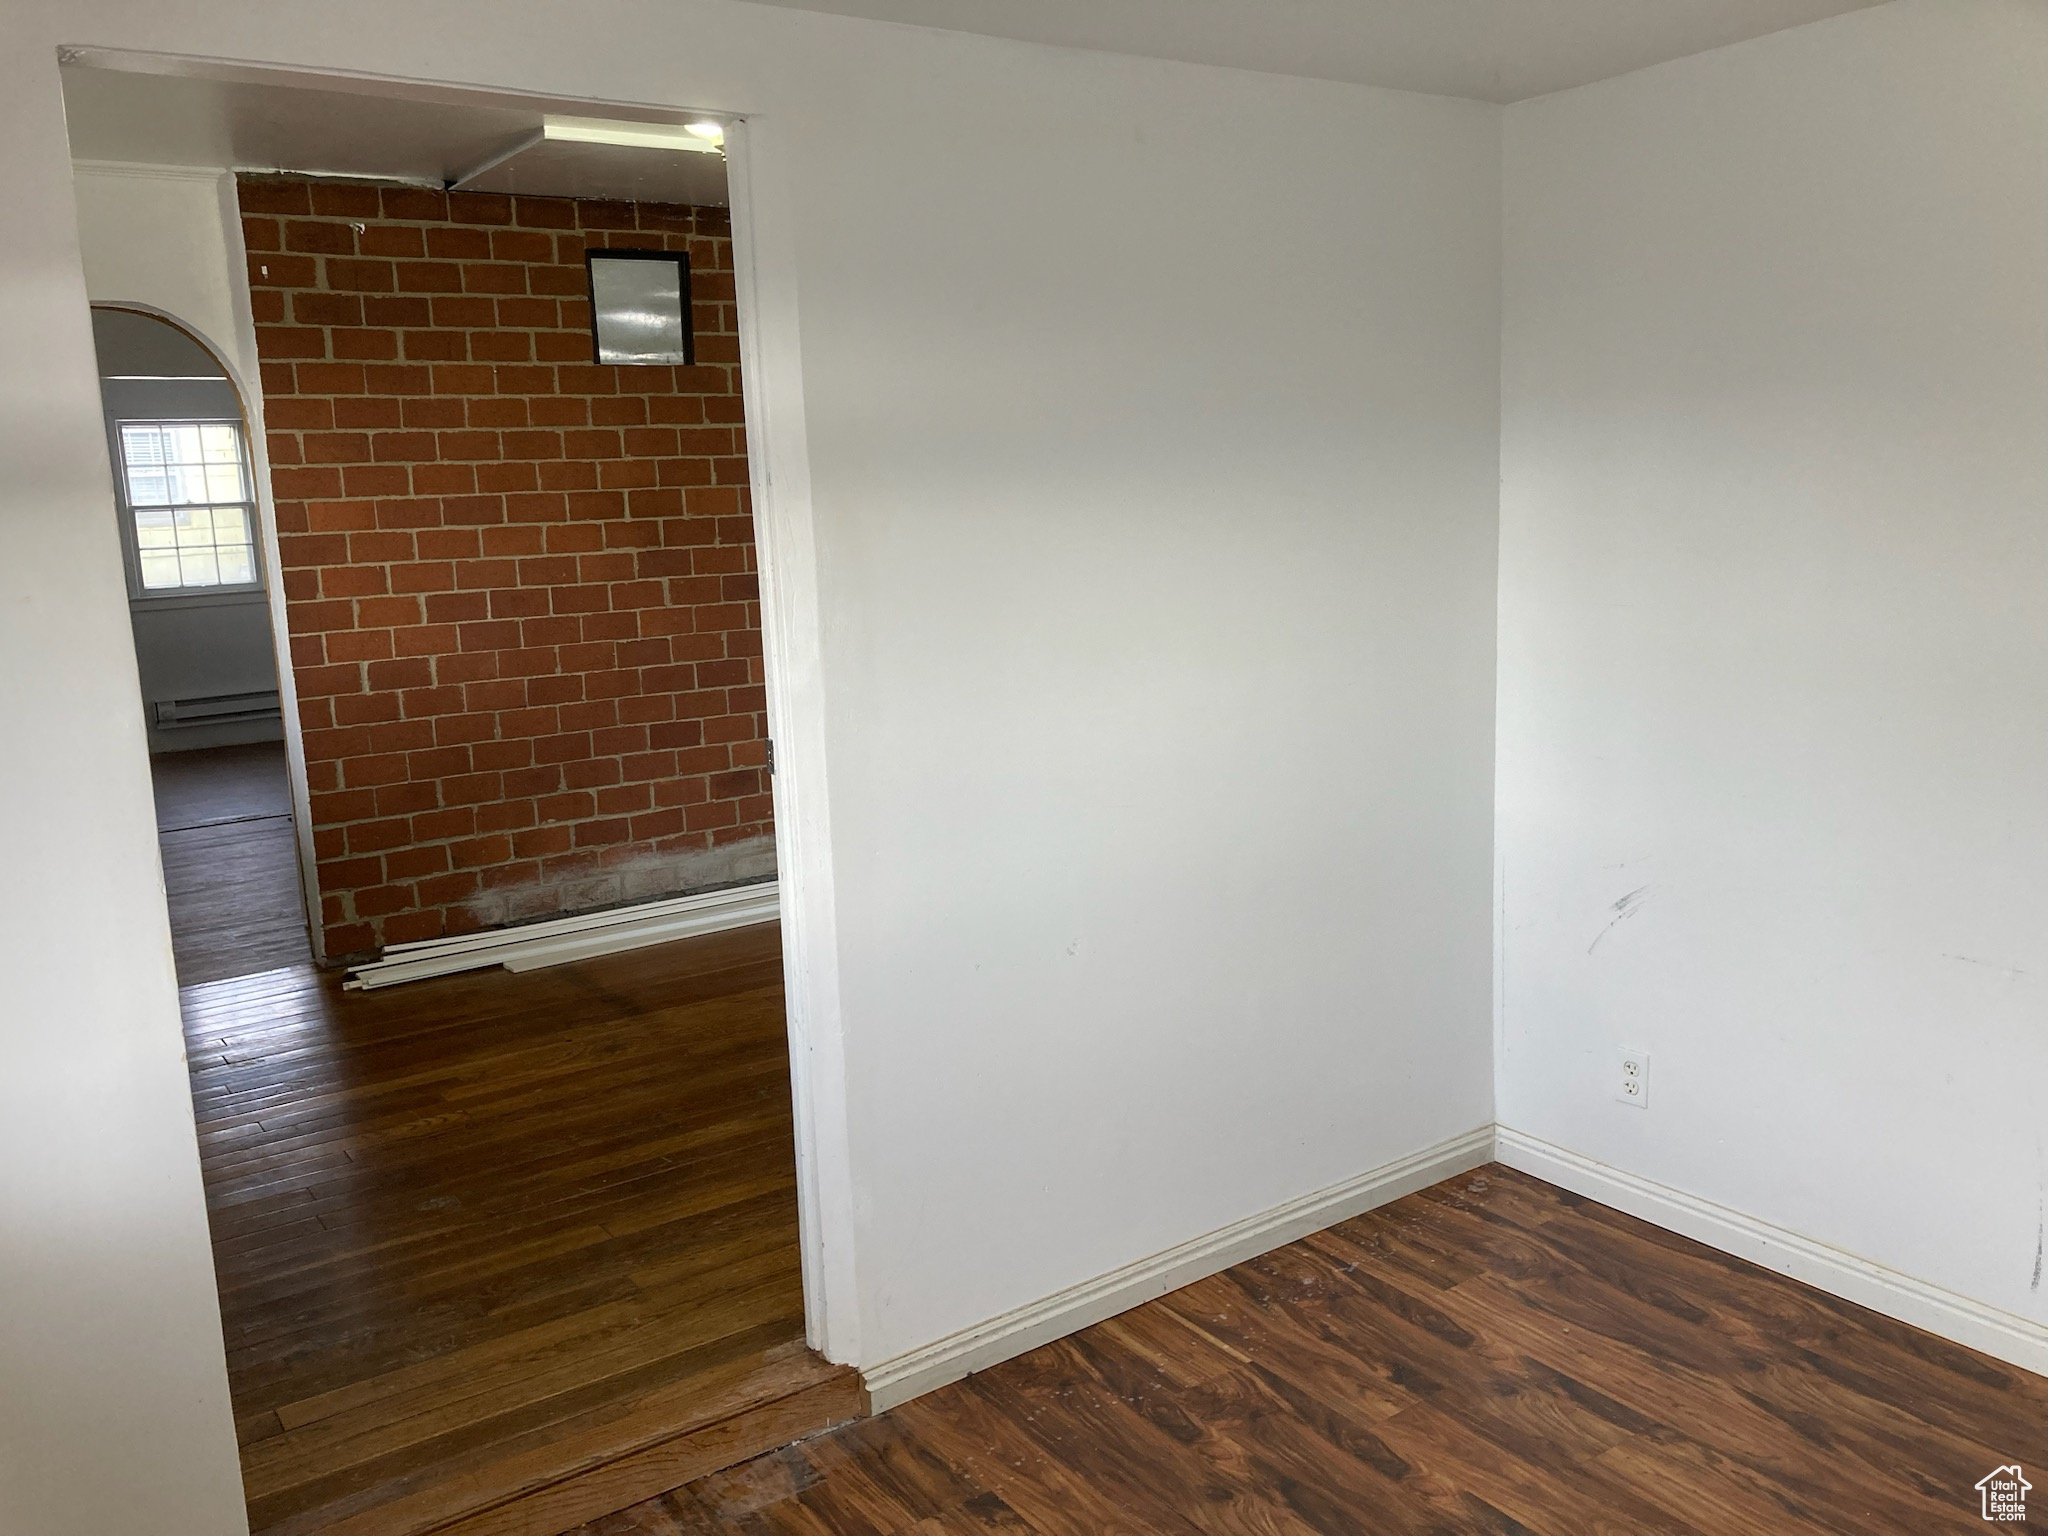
[(521, 586)]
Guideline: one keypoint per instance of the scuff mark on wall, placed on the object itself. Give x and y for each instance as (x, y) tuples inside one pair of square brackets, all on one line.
[(2040, 1211), (1989, 965), (1627, 907), (621, 876)]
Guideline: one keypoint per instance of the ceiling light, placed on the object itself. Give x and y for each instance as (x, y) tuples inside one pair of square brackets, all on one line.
[(598, 130), (711, 133)]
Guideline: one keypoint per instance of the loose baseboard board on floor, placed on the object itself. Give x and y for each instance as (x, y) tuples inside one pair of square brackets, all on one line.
[(560, 940), (1040, 1322), (1942, 1312)]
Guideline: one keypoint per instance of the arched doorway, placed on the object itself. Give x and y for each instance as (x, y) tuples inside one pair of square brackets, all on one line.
[(186, 505)]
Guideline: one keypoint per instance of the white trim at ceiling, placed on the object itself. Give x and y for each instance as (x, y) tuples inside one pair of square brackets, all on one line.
[(150, 172)]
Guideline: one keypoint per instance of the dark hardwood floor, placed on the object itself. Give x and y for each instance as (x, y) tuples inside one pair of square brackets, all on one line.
[(214, 785), (1492, 1355), (231, 871), (498, 1253)]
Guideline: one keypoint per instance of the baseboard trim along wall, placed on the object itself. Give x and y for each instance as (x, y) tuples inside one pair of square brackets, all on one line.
[(531, 946), (1040, 1322), (2005, 1335), (1941, 1312)]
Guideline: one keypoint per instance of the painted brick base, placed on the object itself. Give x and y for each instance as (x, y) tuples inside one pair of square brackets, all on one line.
[(521, 585)]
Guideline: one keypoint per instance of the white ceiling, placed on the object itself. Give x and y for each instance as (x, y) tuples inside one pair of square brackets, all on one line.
[(554, 164), (177, 119), (1493, 50)]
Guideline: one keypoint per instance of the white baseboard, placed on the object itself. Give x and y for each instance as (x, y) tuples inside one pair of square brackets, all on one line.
[(1944, 1313), (1001, 1338), (532, 946), (2005, 1335)]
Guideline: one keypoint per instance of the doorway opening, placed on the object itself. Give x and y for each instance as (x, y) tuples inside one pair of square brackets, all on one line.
[(522, 1244), (186, 505)]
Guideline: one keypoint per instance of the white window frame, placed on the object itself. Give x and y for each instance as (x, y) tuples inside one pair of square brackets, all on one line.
[(131, 545)]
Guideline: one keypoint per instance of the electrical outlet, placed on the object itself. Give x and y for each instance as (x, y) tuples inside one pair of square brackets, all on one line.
[(1632, 1077)]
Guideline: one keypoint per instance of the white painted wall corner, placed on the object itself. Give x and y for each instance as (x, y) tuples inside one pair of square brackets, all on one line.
[(2017, 1340), (1080, 1306)]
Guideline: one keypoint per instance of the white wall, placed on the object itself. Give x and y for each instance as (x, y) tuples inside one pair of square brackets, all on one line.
[(1152, 422), (167, 240), (157, 237), (113, 1392), (205, 647), (1157, 533), (1774, 623)]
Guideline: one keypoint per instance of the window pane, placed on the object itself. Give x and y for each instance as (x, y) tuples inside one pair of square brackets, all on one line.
[(195, 527), (142, 451), (142, 444), (159, 569), (188, 492), (148, 487), (224, 482), (188, 484), (181, 442), (199, 567)]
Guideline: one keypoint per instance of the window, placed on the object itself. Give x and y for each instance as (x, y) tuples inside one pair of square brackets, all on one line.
[(191, 517)]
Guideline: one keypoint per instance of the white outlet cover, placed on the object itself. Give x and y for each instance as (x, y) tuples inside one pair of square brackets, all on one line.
[(1632, 1076)]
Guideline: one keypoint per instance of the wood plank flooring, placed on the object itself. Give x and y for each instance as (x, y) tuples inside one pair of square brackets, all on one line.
[(231, 871), (498, 1253), (233, 891), (1491, 1355), (220, 784)]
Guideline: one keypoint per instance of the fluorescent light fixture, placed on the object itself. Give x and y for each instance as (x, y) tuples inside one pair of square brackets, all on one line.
[(602, 130), (709, 132)]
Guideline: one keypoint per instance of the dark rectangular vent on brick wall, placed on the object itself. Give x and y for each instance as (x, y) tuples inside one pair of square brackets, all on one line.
[(521, 586)]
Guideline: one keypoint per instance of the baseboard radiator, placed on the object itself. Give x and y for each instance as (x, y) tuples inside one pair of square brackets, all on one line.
[(531, 946), (215, 709)]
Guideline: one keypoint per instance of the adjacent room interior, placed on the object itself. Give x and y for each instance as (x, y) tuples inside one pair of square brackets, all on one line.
[(502, 1194), (820, 765), (186, 506)]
